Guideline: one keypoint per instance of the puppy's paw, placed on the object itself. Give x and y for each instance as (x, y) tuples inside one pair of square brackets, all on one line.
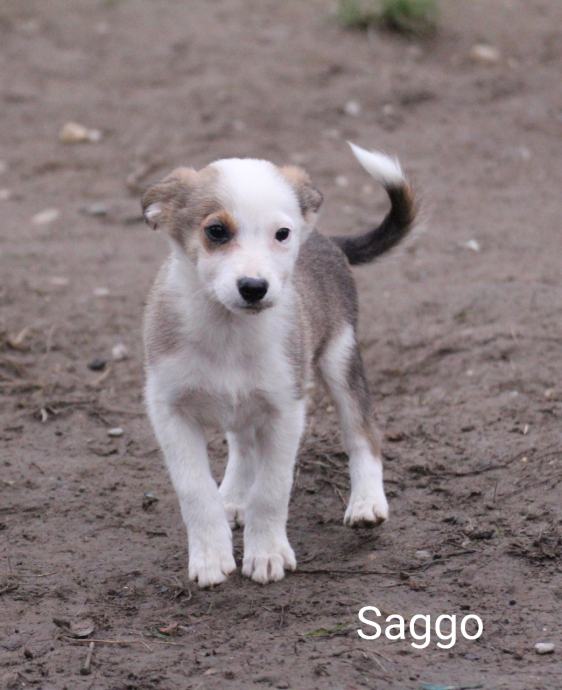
[(265, 560), (211, 563), (366, 510), (235, 514)]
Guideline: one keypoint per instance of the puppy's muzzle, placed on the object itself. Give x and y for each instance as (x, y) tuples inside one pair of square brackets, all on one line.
[(252, 290)]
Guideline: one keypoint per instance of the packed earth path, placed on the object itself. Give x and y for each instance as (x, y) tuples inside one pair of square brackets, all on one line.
[(460, 331)]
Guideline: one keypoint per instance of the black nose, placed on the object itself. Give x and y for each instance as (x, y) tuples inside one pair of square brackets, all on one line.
[(252, 289)]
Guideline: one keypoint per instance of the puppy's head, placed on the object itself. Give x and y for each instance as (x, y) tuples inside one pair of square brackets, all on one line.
[(240, 222)]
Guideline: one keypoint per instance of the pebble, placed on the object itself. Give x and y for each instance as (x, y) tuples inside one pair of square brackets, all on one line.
[(49, 215), (148, 500), (59, 281), (473, 245), (96, 209), (115, 432), (298, 158), (422, 554), (342, 181), (102, 28), (97, 364), (75, 133), (484, 54), (544, 648), (239, 126), (101, 292), (352, 108), (331, 133), (119, 352), (6, 194)]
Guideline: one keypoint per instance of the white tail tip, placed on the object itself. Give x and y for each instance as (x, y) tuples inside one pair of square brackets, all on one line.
[(383, 168)]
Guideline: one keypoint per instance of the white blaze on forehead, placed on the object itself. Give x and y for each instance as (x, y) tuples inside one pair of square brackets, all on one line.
[(254, 191)]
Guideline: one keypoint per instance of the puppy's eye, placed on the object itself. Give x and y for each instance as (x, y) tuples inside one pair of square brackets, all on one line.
[(217, 233), (282, 234)]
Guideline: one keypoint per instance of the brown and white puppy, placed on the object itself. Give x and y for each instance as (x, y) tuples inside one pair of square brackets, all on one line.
[(250, 302)]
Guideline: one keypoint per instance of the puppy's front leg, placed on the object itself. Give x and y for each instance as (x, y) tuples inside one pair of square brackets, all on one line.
[(267, 551), (185, 450), (239, 474)]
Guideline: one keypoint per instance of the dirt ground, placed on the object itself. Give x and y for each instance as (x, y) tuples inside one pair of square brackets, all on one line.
[(462, 346)]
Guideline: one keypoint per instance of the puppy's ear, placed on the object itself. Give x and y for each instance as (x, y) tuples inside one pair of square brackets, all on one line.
[(310, 199), (160, 200)]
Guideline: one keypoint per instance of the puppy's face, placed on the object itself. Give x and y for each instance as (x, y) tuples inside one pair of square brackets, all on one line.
[(240, 222)]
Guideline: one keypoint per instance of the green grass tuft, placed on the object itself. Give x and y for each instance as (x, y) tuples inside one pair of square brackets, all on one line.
[(413, 17)]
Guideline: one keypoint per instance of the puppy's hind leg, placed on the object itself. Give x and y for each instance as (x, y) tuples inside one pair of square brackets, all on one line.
[(341, 367), (239, 474)]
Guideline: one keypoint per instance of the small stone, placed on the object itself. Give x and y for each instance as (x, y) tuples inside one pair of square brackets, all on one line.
[(12, 642), (49, 215), (82, 628), (115, 432), (119, 352), (10, 680), (101, 28), (148, 500), (331, 133), (423, 555), (30, 26), (352, 108), (544, 648), (484, 54), (97, 364), (101, 292), (298, 158), (75, 133), (59, 281), (473, 245), (342, 181), (96, 209), (6, 194)]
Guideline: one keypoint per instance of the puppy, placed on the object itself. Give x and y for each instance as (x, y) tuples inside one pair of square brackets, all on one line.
[(251, 301)]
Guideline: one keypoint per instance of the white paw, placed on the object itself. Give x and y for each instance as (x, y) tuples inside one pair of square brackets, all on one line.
[(210, 563), (265, 560), (235, 514), (366, 509)]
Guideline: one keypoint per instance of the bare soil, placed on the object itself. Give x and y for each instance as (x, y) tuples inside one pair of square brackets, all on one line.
[(463, 347)]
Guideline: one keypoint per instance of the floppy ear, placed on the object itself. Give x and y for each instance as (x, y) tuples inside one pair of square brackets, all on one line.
[(310, 199), (160, 200)]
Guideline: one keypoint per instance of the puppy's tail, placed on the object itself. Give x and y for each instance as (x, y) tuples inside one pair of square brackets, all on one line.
[(360, 249)]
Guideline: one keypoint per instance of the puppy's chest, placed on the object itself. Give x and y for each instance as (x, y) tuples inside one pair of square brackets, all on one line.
[(233, 388)]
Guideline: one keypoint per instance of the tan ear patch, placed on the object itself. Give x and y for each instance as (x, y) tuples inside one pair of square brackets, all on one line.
[(310, 199), (180, 201), (159, 200)]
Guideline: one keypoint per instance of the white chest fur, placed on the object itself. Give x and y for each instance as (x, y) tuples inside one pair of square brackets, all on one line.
[(231, 370)]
